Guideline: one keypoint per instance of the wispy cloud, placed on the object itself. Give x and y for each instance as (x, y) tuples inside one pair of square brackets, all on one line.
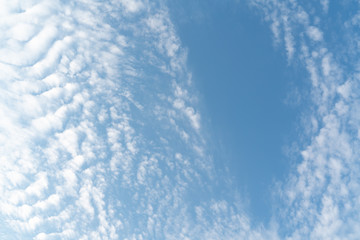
[(322, 190)]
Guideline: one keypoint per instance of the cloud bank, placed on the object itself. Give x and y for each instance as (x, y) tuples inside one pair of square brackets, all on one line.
[(101, 137)]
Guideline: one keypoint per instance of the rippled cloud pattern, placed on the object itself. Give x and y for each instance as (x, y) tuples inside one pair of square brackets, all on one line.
[(101, 135)]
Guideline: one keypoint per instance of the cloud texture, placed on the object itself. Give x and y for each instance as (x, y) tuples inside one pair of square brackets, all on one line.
[(320, 201), (88, 90), (101, 136)]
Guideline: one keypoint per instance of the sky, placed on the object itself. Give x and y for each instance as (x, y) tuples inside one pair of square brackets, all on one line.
[(244, 84), (139, 119)]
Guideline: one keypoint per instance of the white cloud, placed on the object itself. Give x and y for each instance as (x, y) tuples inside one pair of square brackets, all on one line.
[(69, 140), (32, 51), (345, 89), (84, 200), (132, 6), (319, 198), (325, 5), (193, 116), (289, 39), (52, 201), (39, 186), (314, 33), (70, 180), (22, 31), (168, 42), (15, 178), (326, 65), (180, 103)]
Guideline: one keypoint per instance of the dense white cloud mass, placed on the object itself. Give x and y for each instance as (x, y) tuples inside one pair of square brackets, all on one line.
[(100, 137)]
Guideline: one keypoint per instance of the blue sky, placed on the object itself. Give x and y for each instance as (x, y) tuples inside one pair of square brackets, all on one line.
[(136, 119), (244, 83)]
